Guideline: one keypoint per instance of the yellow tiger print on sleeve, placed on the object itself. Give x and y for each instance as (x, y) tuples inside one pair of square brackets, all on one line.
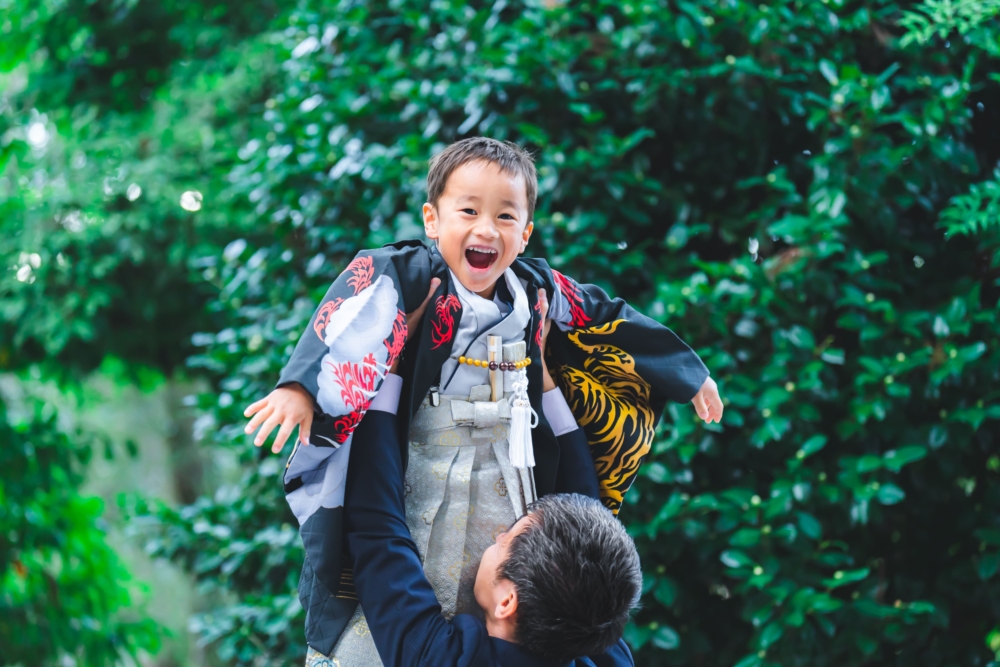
[(612, 404)]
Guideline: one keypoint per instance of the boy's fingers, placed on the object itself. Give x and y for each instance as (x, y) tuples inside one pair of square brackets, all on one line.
[(305, 429), (282, 437), (717, 407), (258, 419), (254, 407), (715, 403), (265, 430), (699, 405)]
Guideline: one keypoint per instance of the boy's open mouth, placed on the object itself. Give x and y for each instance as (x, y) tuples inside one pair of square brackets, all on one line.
[(480, 258)]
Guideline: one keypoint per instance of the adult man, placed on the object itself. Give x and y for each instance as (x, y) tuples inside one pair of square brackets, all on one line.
[(558, 584)]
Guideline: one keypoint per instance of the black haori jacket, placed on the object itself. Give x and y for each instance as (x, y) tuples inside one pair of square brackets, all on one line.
[(616, 367)]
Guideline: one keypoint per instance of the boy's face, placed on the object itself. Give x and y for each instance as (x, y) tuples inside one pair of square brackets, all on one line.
[(480, 224)]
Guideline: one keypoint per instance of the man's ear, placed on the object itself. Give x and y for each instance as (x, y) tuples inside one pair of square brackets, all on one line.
[(526, 236), (430, 221), (507, 603)]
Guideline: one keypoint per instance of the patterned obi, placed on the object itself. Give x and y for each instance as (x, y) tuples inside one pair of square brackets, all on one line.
[(461, 492)]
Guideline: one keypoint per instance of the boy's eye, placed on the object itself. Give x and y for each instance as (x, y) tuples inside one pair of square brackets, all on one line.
[(469, 211), (506, 216)]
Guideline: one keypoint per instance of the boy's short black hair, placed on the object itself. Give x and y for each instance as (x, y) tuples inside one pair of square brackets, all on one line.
[(510, 157), (577, 577)]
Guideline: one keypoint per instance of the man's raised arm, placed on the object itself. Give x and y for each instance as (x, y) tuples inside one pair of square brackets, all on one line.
[(400, 607)]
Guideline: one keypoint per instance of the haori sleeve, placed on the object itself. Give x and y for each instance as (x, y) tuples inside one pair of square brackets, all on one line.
[(617, 369), (355, 335), (600, 327)]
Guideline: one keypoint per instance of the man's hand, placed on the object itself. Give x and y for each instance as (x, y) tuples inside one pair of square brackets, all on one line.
[(289, 406), (543, 304), (413, 319), (707, 402)]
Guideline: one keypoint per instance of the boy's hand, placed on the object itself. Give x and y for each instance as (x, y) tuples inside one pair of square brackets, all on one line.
[(707, 402), (292, 406), (289, 406), (548, 383)]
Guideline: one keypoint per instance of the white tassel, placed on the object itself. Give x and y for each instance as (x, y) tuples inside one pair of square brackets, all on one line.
[(522, 419)]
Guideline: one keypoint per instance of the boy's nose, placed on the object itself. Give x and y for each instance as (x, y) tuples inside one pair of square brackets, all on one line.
[(485, 228)]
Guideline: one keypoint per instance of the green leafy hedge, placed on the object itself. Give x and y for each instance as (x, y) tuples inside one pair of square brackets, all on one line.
[(804, 190), (64, 595)]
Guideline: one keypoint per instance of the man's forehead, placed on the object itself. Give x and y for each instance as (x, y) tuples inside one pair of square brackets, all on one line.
[(521, 524)]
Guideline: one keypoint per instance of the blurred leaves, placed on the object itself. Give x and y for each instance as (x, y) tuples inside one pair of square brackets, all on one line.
[(942, 17), (93, 230), (65, 597), (976, 210)]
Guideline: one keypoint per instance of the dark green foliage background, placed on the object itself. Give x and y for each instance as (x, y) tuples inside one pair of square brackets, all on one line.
[(804, 190), (63, 591)]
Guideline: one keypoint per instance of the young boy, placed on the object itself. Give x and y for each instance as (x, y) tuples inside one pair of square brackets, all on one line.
[(465, 400)]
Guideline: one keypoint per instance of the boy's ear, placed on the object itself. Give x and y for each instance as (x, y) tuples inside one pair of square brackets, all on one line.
[(430, 220), (526, 236)]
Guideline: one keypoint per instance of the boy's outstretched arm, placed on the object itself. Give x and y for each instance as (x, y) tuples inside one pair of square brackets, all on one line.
[(290, 405), (569, 311)]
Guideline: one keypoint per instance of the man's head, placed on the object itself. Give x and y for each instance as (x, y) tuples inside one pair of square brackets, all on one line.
[(480, 202), (562, 581)]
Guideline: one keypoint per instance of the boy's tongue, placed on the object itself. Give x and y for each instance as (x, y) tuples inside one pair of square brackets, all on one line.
[(479, 259)]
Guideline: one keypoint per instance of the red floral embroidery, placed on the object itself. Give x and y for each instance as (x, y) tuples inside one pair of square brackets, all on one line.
[(571, 291), (326, 311), (394, 344), (357, 387), (357, 381), (364, 270), (344, 426), (443, 329)]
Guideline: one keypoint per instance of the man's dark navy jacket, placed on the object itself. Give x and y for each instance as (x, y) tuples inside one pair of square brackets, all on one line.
[(403, 614)]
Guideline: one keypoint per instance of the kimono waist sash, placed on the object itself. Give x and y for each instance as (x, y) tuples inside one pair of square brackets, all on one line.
[(461, 493)]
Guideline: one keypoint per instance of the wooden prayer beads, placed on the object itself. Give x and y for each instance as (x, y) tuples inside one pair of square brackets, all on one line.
[(494, 366)]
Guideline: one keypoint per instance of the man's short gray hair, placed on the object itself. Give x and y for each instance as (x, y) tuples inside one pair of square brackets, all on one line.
[(577, 576)]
